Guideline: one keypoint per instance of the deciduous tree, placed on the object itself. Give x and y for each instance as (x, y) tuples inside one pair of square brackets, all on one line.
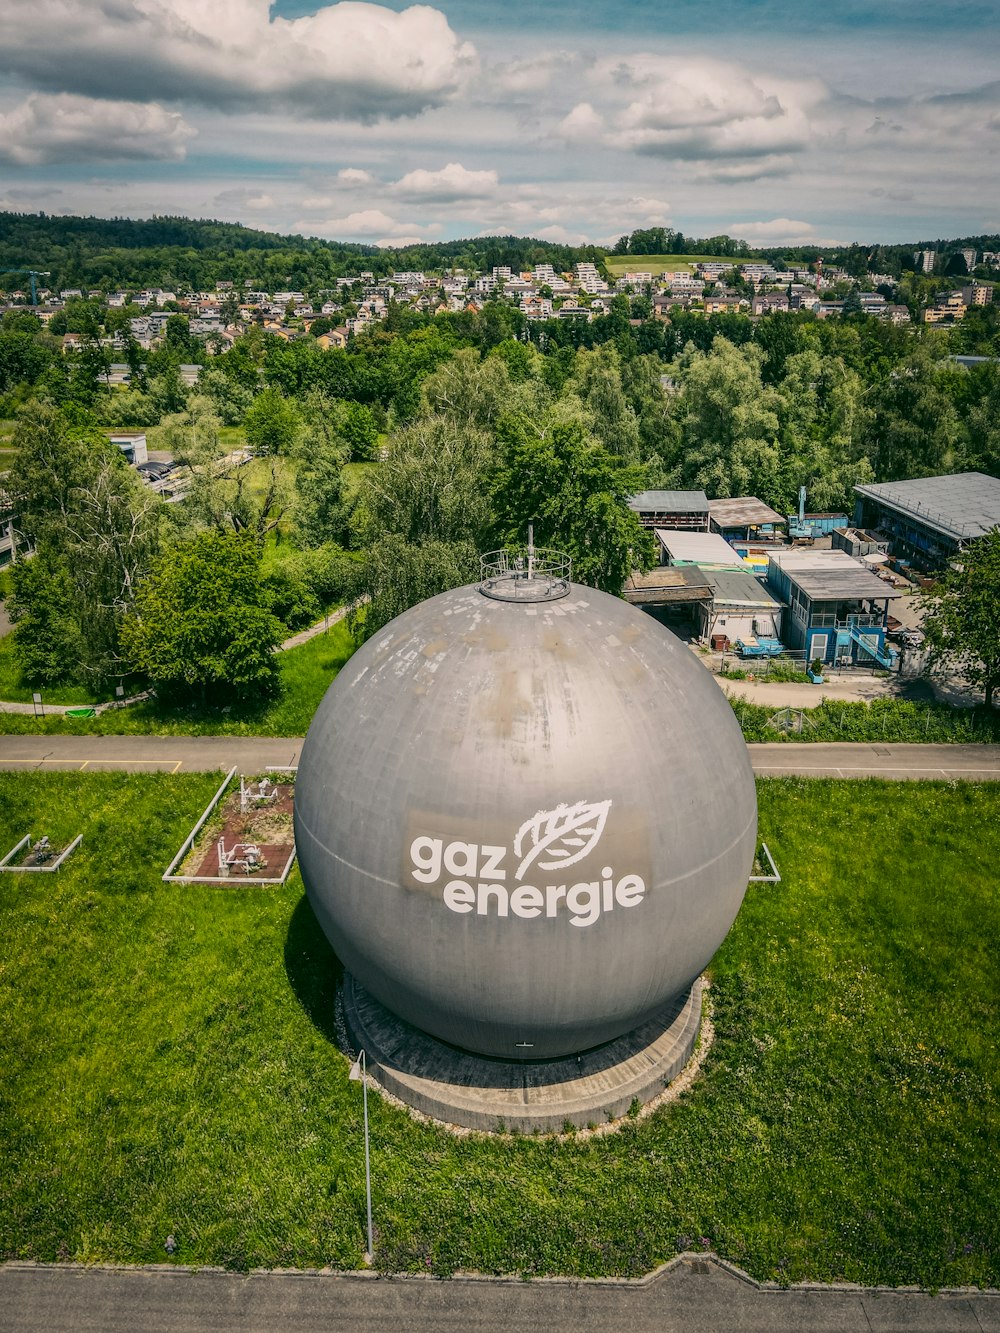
[(200, 628), (962, 623)]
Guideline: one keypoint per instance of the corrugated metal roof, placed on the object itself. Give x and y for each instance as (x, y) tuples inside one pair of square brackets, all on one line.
[(962, 506), (742, 511), (682, 502), (697, 548), (737, 587), (831, 576)]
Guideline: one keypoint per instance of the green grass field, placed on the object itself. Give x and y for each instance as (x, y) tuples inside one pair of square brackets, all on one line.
[(169, 1067), (617, 265), (306, 674)]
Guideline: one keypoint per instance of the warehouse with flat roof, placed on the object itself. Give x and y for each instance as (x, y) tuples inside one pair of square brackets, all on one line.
[(706, 549), (838, 609), (928, 520)]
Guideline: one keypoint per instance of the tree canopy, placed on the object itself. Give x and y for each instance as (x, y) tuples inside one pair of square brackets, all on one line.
[(200, 628), (962, 621)]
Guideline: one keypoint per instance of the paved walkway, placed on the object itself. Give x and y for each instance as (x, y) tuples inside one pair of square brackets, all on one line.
[(693, 1294), (320, 627), (206, 754), (795, 694)]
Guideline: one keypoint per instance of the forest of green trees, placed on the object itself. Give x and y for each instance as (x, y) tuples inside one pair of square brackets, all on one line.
[(467, 427)]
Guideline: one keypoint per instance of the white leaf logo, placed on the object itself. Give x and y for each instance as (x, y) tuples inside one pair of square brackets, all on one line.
[(565, 834)]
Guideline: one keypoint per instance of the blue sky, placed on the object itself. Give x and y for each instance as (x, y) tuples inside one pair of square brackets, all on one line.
[(777, 121)]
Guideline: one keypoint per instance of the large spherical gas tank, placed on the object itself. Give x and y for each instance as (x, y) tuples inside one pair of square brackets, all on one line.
[(523, 827)]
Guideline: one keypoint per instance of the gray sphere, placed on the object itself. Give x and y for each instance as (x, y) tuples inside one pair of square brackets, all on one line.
[(524, 828)]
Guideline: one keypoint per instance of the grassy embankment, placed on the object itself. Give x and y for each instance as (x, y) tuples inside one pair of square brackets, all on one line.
[(168, 1067), (618, 265), (306, 673)]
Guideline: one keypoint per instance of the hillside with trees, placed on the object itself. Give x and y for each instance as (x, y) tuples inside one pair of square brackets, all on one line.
[(380, 469)]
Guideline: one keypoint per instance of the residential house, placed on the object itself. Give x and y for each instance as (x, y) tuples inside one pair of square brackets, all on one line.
[(335, 338), (978, 293), (947, 308), (724, 301), (766, 303)]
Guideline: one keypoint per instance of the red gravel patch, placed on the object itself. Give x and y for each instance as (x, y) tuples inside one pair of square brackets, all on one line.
[(268, 826)]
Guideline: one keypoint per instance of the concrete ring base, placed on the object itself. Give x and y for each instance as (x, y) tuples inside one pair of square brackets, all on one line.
[(472, 1091)]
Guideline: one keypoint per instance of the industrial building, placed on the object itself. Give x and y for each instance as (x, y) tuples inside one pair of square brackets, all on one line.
[(745, 518), (667, 587), (741, 608), (706, 549), (838, 610), (927, 521), (681, 511)]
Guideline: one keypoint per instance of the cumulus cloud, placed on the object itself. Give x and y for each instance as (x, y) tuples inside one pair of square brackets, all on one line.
[(707, 109), (451, 183), (367, 224), (653, 212), (581, 124), (67, 128), (561, 235), (398, 242), (780, 231), (355, 176), (350, 60)]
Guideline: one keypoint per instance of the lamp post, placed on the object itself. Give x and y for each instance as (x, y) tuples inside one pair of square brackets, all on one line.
[(359, 1073)]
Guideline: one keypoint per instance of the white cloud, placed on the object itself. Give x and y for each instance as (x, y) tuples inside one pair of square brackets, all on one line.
[(708, 109), (583, 123), (451, 183), (352, 176), (398, 242), (654, 212), (350, 60), (561, 235), (245, 198), (780, 231), (65, 128), (365, 225), (748, 169)]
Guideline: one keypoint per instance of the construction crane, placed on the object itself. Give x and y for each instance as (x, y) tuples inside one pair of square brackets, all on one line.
[(35, 273)]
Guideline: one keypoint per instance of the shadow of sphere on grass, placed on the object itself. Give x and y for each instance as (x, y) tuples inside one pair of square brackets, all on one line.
[(314, 971)]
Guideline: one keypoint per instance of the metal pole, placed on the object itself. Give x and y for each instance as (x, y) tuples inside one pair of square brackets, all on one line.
[(368, 1164), (359, 1070)]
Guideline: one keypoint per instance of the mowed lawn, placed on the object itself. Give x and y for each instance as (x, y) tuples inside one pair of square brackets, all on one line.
[(619, 265), (168, 1067)]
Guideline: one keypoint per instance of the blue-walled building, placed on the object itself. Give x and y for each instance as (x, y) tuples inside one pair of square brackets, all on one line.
[(838, 611), (928, 520)]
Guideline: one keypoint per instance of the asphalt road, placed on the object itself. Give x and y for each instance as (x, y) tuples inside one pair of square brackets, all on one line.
[(174, 754), (692, 1296)]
